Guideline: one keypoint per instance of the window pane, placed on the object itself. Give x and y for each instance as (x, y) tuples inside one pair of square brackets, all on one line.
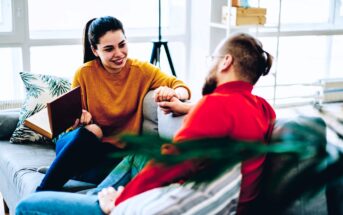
[(336, 63), (141, 51), (69, 17), (5, 16), (56, 60), (305, 11), (302, 59), (11, 86)]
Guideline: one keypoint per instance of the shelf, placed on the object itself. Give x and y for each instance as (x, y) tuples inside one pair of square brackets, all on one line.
[(272, 31)]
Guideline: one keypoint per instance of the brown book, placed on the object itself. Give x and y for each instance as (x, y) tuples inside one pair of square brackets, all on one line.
[(59, 115)]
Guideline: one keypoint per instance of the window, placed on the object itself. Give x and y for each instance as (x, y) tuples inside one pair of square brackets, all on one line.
[(336, 56), (307, 44), (56, 60), (317, 11), (10, 66), (68, 17), (47, 35), (5, 16)]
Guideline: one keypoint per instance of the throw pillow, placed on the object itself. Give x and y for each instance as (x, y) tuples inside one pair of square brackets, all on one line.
[(40, 89), (217, 197)]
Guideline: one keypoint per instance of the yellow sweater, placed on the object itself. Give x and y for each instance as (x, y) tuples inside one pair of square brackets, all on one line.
[(116, 100)]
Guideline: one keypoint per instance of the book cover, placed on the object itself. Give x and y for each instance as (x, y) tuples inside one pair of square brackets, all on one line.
[(59, 115)]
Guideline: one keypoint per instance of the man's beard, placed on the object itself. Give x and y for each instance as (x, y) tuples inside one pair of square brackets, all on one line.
[(210, 85)]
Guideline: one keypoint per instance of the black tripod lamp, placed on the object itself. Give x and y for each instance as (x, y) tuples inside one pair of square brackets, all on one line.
[(156, 49)]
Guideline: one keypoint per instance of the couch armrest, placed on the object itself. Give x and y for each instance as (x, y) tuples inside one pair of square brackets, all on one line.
[(149, 114), (168, 124), (155, 121), (8, 122)]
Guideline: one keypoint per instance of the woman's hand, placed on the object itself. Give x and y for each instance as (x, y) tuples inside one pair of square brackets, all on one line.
[(164, 94), (85, 119), (107, 197)]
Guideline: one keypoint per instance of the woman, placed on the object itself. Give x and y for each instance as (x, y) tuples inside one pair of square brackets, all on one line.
[(113, 87)]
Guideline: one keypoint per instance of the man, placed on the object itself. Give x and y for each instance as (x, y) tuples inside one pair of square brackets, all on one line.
[(227, 109)]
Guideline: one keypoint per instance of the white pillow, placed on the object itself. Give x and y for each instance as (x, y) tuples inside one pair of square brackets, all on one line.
[(40, 89)]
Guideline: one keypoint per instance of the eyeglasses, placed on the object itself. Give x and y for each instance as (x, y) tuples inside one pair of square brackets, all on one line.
[(210, 58)]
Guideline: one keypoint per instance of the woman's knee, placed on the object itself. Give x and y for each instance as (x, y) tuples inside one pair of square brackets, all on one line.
[(95, 129), (28, 205)]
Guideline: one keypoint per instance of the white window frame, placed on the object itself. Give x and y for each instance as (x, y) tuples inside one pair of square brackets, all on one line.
[(20, 35)]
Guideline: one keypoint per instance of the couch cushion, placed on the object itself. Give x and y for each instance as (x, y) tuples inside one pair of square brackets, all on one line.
[(8, 123), (18, 164), (40, 89)]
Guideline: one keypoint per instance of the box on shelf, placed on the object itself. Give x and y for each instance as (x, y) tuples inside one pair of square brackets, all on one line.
[(248, 16), (244, 16), (250, 20)]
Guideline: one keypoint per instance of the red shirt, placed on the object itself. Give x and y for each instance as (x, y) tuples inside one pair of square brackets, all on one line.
[(231, 110)]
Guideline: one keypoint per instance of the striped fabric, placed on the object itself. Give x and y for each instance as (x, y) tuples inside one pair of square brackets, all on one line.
[(218, 197)]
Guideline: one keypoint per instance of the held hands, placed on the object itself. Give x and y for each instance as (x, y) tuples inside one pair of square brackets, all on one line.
[(175, 106), (164, 94), (85, 119), (169, 100), (107, 197)]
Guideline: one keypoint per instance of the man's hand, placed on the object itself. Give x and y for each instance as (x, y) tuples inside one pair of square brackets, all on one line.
[(85, 119), (164, 94), (175, 106), (107, 197)]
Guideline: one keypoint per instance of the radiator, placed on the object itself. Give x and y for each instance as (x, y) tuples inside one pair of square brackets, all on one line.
[(10, 104)]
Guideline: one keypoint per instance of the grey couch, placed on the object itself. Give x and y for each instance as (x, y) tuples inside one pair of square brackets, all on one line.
[(18, 163)]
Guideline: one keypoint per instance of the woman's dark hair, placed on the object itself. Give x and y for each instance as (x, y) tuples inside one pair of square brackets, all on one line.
[(94, 29), (249, 58)]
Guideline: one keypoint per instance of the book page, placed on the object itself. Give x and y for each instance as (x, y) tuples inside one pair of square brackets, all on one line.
[(39, 122)]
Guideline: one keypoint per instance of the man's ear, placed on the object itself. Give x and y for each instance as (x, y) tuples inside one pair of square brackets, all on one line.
[(226, 63), (94, 51)]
